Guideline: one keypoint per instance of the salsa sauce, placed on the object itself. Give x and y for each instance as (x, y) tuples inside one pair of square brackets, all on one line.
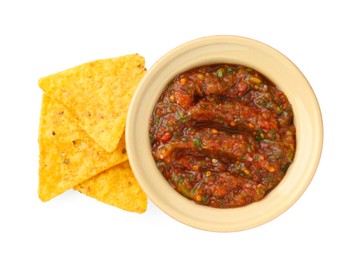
[(222, 135)]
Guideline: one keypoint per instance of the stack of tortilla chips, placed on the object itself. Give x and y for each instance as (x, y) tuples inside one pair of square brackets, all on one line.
[(81, 135)]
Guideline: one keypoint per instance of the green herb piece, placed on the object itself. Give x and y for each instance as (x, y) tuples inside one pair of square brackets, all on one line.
[(191, 177), (278, 155), (197, 143), (259, 191), (259, 136), (204, 198)]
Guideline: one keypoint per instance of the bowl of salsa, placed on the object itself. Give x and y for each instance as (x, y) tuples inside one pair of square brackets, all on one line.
[(224, 133)]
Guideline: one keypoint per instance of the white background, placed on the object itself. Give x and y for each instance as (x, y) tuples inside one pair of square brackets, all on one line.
[(38, 38)]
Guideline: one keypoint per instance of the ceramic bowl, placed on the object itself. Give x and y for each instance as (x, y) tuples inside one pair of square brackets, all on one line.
[(234, 50)]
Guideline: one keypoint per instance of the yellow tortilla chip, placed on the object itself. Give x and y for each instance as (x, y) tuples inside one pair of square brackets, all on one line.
[(118, 187), (98, 94), (68, 156)]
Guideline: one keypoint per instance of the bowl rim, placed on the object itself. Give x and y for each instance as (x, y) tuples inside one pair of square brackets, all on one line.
[(236, 50)]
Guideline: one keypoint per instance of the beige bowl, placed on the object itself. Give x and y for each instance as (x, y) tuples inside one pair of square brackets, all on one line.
[(234, 50)]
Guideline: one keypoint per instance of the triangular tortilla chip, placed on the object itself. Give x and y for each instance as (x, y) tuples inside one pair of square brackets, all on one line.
[(68, 156), (98, 94), (118, 187)]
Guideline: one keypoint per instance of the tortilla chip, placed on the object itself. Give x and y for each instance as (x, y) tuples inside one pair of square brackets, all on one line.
[(98, 94), (118, 187), (68, 156)]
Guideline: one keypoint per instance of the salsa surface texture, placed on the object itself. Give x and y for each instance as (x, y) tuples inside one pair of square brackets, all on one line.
[(223, 135)]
